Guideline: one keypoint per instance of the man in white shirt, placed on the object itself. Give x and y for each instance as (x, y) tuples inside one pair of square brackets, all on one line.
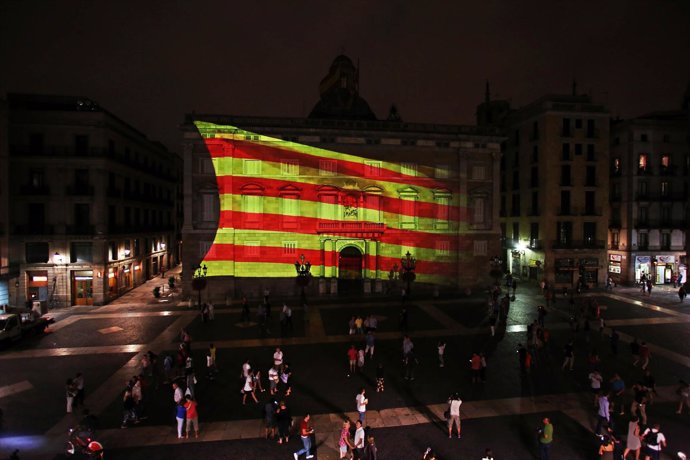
[(359, 439), (454, 411), (362, 402), (246, 367), (595, 380), (273, 380), (178, 395)]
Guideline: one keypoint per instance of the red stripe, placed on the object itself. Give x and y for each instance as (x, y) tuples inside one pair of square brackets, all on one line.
[(275, 153), (311, 193)]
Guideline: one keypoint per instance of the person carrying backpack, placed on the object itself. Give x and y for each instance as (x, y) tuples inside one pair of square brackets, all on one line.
[(654, 441)]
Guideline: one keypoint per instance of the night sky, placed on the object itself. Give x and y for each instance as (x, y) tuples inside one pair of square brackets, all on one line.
[(150, 62)]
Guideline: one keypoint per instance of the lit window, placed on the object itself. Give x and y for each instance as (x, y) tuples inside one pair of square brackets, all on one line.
[(327, 167), (372, 209), (251, 167), (290, 211), (289, 168), (253, 208), (665, 161), (408, 169), (642, 162), (442, 248), (442, 212), (407, 214), (372, 168), (289, 248)]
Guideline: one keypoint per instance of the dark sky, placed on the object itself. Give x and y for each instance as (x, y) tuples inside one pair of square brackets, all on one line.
[(152, 61)]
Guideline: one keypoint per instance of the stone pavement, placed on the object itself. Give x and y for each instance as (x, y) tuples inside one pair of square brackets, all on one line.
[(138, 304)]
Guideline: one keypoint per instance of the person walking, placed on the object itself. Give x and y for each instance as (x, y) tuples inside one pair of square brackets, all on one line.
[(569, 356), (441, 353), (70, 393), (603, 414), (655, 441), (344, 443), (454, 403), (128, 412), (632, 442), (545, 439), (683, 392), (305, 432), (192, 417), (682, 294), (380, 384), (273, 379), (180, 417), (361, 402), (358, 444), (644, 355), (370, 343), (371, 452), (248, 388), (79, 386), (270, 414), (595, 380), (352, 359), (284, 420)]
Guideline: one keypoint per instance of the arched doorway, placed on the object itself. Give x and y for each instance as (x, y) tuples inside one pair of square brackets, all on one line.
[(350, 270)]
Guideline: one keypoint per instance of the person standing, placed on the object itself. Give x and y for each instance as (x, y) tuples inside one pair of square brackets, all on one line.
[(278, 358), (344, 442), (352, 359), (454, 404), (545, 439), (370, 342), (180, 417), (569, 356), (359, 440), (70, 393), (683, 392), (441, 353), (192, 417), (633, 440), (371, 452), (655, 441), (595, 380), (178, 394), (248, 388), (361, 402), (644, 355), (270, 414), (284, 419), (604, 413), (476, 366), (79, 385), (305, 432)]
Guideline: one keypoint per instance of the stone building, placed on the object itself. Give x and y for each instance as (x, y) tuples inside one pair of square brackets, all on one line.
[(92, 202), (649, 197), (6, 271), (352, 193), (554, 194)]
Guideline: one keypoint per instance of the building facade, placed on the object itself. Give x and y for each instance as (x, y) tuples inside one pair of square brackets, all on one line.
[(93, 202), (649, 198), (351, 193), (6, 270), (553, 200)]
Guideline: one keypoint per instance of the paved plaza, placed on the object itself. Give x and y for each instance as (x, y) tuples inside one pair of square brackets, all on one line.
[(107, 343)]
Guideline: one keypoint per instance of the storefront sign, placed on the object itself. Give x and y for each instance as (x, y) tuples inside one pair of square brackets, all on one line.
[(615, 257), (642, 259), (666, 259)]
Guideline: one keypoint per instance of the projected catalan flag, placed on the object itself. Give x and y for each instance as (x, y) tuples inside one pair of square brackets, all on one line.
[(352, 216)]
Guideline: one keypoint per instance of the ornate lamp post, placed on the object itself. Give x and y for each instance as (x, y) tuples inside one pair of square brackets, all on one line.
[(303, 269), (407, 264), (199, 280)]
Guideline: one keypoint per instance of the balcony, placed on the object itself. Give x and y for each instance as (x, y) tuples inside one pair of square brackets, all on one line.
[(350, 227), (79, 189), (35, 190), (642, 223), (667, 170), (32, 229), (615, 223), (646, 171), (578, 244), (80, 230), (565, 211), (591, 211)]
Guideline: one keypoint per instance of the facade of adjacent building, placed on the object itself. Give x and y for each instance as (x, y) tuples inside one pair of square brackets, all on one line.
[(6, 271), (93, 203), (553, 200), (649, 198), (352, 193)]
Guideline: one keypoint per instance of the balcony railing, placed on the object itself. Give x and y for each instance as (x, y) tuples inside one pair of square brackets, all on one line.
[(578, 244), (30, 229), (350, 227), (80, 230), (75, 189), (35, 190)]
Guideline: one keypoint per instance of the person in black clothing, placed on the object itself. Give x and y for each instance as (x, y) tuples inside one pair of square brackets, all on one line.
[(403, 319), (522, 356), (284, 419), (245, 310)]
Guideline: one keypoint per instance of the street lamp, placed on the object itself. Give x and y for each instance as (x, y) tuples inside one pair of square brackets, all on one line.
[(408, 264), (199, 280), (303, 269)]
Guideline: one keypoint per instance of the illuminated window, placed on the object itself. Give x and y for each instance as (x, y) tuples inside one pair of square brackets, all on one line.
[(478, 213), (408, 210), (480, 248), (253, 208), (665, 161), (289, 248), (289, 168), (327, 206), (442, 171), (617, 168), (642, 162), (251, 167), (372, 168), (372, 209), (442, 213), (664, 189), (290, 211), (442, 248), (408, 169), (252, 248), (328, 168)]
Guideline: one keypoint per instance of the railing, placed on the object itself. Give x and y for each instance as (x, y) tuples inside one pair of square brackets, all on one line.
[(350, 227), (578, 244), (79, 230), (30, 229), (35, 190), (79, 190)]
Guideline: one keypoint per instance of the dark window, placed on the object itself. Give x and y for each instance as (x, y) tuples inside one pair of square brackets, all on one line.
[(566, 152), (516, 180), (36, 253), (37, 215), (589, 231), (535, 203), (128, 216), (667, 138), (665, 241), (81, 179), (644, 138), (591, 131), (578, 123), (566, 127), (564, 232), (565, 175), (578, 149), (82, 215), (112, 215), (590, 200), (37, 178), (565, 202), (516, 204), (535, 130), (113, 250), (591, 177), (81, 252), (36, 143), (534, 177), (535, 154), (517, 137), (533, 233), (137, 248), (516, 231), (616, 167), (503, 205), (644, 240), (111, 147), (81, 144), (590, 153)]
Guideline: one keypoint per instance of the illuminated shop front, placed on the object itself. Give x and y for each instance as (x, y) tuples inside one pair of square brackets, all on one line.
[(82, 287)]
